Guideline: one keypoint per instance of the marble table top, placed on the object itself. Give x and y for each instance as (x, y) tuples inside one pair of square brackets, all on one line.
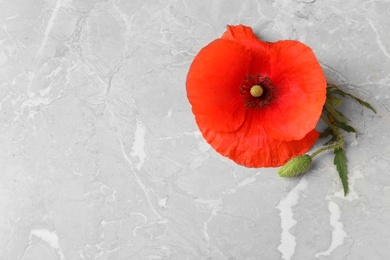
[(101, 158)]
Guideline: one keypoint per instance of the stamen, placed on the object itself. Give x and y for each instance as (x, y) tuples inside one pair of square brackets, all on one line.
[(256, 91)]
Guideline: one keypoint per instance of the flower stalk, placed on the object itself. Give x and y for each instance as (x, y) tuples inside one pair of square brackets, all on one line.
[(338, 144), (323, 149)]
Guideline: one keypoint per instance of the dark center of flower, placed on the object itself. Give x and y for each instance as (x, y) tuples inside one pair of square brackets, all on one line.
[(257, 91)]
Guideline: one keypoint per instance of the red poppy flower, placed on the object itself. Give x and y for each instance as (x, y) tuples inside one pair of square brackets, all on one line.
[(256, 102)]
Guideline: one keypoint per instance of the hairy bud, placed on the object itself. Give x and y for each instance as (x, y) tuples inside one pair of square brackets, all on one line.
[(296, 166)]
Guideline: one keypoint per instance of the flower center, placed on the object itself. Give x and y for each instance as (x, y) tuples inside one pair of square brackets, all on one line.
[(256, 91)]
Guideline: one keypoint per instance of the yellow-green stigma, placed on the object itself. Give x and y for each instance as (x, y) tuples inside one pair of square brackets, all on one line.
[(256, 91)]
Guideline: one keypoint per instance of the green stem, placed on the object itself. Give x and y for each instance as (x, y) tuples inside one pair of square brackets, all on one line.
[(323, 149), (340, 138), (335, 130), (332, 126)]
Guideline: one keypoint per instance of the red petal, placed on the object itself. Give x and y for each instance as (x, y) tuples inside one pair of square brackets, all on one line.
[(213, 83), (260, 50), (238, 33), (300, 91), (252, 147)]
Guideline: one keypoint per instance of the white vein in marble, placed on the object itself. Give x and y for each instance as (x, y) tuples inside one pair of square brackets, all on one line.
[(286, 205)]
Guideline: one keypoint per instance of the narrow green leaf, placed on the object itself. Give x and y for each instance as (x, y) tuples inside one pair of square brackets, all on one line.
[(331, 86), (332, 90), (347, 128), (341, 166), (335, 91), (325, 133), (363, 103), (336, 114)]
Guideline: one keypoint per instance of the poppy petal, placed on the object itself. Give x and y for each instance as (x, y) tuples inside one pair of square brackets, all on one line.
[(300, 91), (213, 85), (252, 147), (260, 50), (238, 33)]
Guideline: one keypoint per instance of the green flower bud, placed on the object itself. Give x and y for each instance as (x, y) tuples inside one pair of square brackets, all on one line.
[(295, 166), (334, 101)]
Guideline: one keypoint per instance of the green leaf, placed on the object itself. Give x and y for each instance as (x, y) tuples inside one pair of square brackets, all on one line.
[(334, 101), (347, 128), (333, 90), (325, 133), (336, 91), (363, 103), (341, 166), (340, 118)]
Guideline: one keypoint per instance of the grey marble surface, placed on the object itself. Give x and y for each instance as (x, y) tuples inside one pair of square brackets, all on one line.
[(100, 156)]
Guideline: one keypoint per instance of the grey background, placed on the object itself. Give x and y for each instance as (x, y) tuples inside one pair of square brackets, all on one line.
[(100, 156)]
